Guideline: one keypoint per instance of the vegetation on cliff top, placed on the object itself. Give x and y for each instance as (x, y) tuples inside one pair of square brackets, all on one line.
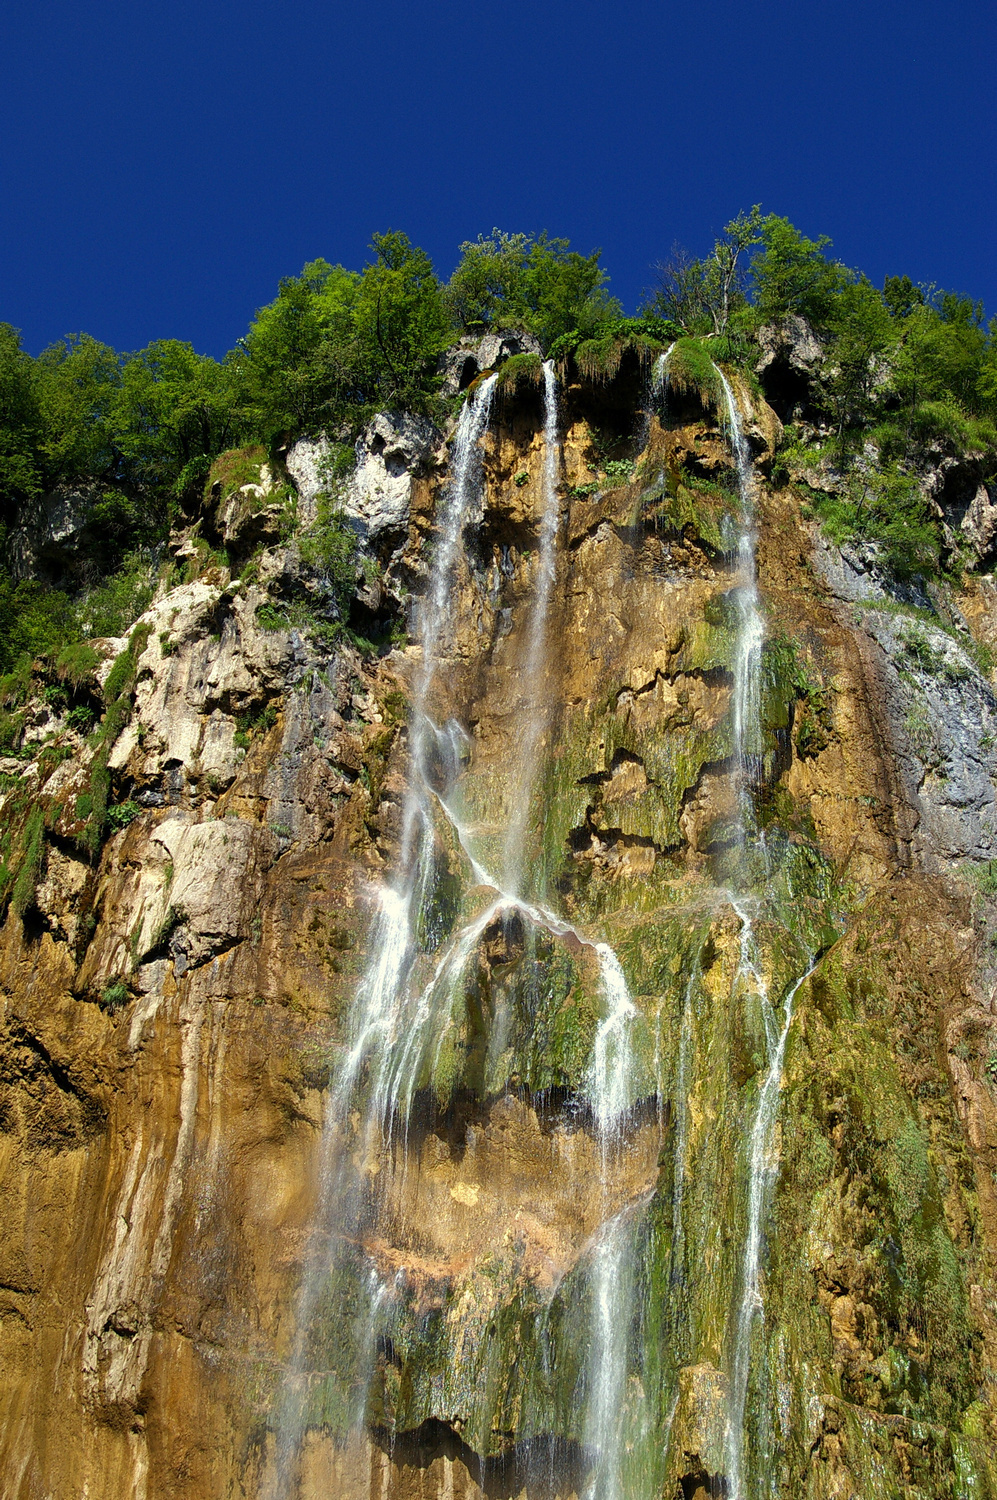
[(901, 376)]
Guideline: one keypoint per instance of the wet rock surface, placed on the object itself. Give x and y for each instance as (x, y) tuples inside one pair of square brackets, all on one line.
[(176, 1003)]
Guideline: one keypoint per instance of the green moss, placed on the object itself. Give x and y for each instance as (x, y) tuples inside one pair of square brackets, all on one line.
[(522, 370), (599, 359), (691, 371), (693, 507), (31, 861), (121, 678), (76, 663)]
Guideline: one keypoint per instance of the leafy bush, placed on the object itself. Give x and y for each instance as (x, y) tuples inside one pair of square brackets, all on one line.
[(114, 995), (112, 607), (121, 814), (534, 282)]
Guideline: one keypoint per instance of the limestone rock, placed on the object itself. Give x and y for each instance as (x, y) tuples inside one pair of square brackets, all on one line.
[(467, 360), (979, 524), (791, 356), (306, 461), (391, 448), (792, 343)]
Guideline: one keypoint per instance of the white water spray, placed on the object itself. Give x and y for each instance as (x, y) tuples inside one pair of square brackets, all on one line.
[(751, 627), (380, 1004), (763, 1169), (748, 747), (536, 705)]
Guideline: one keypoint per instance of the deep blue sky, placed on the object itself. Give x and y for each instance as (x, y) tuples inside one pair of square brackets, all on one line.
[(163, 164)]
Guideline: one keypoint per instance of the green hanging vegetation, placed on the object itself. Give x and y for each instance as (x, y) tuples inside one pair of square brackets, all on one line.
[(123, 445)]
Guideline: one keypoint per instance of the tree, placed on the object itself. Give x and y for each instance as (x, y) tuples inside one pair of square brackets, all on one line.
[(21, 425), (863, 340), (791, 274), (400, 325), (293, 367), (78, 380), (700, 295), (173, 412), (532, 282)]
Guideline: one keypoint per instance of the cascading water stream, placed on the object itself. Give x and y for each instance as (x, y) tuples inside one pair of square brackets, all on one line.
[(762, 1166), (381, 995), (400, 1029), (609, 1079), (611, 1262), (535, 703), (746, 705)]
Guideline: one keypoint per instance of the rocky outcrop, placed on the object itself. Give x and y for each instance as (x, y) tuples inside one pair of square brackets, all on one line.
[(178, 983), (791, 355), (468, 359)]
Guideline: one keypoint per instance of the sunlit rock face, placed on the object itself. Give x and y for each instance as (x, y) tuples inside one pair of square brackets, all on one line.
[(483, 1069)]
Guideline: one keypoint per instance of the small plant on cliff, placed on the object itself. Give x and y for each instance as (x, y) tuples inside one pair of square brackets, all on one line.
[(31, 861), (114, 995), (121, 814), (330, 546), (692, 371), (250, 723), (232, 469)]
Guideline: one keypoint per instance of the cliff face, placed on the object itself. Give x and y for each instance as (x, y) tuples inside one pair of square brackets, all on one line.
[(678, 1175)]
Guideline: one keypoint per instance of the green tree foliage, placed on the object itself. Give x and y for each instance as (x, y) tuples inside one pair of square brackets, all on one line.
[(791, 274), (907, 373), (701, 295), (172, 413), (78, 382), (336, 346), (292, 369), (533, 282), (21, 425)]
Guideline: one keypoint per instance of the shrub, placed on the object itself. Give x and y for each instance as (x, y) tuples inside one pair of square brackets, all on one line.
[(114, 995), (76, 663), (121, 814), (31, 861), (111, 608), (234, 468)]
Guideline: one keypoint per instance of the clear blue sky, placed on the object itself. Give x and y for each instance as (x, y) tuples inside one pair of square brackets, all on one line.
[(163, 165)]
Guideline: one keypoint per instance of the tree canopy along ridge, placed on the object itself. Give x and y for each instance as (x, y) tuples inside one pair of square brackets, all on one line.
[(899, 377)]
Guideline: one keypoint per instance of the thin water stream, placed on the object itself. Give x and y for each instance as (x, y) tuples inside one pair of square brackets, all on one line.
[(762, 1165), (410, 1001)]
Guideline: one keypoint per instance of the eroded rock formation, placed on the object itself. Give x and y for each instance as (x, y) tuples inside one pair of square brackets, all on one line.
[(177, 999)]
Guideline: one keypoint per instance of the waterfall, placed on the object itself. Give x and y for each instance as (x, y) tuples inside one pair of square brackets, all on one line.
[(379, 1009), (609, 1079), (611, 1265), (659, 374), (380, 1000), (762, 1166), (403, 1015), (536, 704), (611, 1290), (751, 627)]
